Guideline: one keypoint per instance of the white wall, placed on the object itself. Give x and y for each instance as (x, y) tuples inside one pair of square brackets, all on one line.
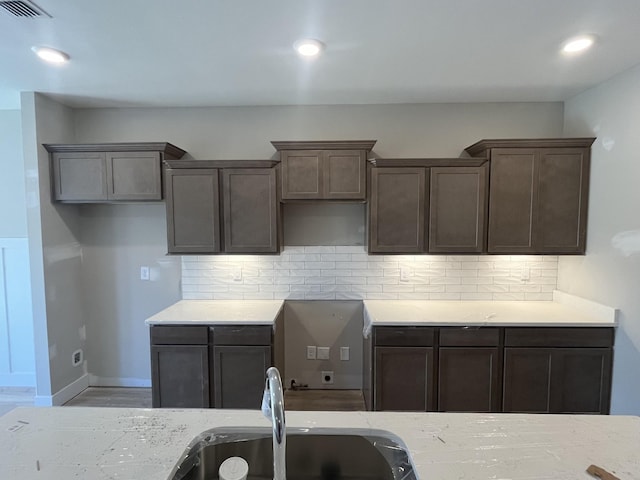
[(17, 361), (610, 272), (55, 255), (111, 276), (13, 217)]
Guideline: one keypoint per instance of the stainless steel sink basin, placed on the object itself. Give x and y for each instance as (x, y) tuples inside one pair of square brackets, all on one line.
[(317, 453)]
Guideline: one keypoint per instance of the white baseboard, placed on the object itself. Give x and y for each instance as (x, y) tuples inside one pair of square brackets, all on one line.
[(64, 395), (96, 381), (17, 380)]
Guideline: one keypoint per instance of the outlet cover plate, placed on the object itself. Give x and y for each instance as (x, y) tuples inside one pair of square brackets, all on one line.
[(323, 353)]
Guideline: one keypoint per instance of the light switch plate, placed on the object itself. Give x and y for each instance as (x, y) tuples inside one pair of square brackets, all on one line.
[(344, 353), (144, 273), (311, 352)]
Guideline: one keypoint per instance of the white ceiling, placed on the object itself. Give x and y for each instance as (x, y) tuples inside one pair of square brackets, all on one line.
[(239, 52)]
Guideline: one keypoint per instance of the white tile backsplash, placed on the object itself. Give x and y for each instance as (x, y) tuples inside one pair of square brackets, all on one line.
[(349, 273)]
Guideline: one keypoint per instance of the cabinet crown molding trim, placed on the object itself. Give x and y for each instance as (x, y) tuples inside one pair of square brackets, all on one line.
[(576, 142), (164, 147), (428, 162), (324, 145), (221, 163)]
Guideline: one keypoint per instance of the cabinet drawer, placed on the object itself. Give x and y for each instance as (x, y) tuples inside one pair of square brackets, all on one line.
[(179, 335), (469, 337), (242, 335), (404, 336), (559, 337)]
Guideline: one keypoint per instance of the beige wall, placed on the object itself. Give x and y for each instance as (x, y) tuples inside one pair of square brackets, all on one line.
[(610, 271), (55, 252)]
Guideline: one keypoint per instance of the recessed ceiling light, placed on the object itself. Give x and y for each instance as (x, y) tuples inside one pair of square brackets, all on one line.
[(308, 47), (51, 55), (578, 44)]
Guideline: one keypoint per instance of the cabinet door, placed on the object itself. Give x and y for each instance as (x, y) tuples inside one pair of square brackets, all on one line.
[(302, 177), (563, 185), (457, 209), (403, 378), (397, 210), (250, 210), (557, 380), (134, 176), (344, 175), (180, 376), (512, 200), (239, 374), (468, 379), (581, 379), (527, 376), (193, 210), (79, 176)]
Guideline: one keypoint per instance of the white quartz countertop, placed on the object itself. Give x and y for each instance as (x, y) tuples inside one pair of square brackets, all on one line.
[(565, 310), (59, 443), (215, 312)]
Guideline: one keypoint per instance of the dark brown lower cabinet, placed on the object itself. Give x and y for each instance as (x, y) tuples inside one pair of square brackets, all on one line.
[(557, 380), (239, 375), (404, 378), (217, 366), (489, 369), (180, 376), (468, 379)]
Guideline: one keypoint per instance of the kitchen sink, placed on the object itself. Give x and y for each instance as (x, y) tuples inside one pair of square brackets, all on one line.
[(311, 453)]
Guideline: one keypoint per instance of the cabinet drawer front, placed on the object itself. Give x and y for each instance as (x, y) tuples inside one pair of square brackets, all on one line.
[(179, 335), (559, 337), (404, 336), (469, 337), (242, 335)]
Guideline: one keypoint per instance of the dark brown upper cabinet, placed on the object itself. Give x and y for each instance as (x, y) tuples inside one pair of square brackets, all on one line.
[(112, 172), (324, 170), (539, 194), (397, 210), (222, 206), (457, 209), (249, 198), (427, 205), (193, 210)]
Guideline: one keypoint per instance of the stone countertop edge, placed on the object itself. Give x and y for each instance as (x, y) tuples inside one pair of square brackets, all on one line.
[(58, 443), (219, 312), (564, 311)]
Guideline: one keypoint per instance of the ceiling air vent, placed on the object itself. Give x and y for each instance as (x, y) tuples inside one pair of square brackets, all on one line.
[(23, 9)]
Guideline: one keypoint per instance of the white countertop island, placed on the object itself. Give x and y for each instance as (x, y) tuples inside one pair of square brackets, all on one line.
[(60, 443), (218, 312)]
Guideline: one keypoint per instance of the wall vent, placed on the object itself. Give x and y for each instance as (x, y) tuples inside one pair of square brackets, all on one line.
[(23, 9)]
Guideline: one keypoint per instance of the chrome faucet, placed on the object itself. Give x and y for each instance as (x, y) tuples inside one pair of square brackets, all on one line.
[(273, 408)]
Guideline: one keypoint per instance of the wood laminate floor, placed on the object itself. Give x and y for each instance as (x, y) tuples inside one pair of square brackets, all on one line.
[(306, 400), (112, 397)]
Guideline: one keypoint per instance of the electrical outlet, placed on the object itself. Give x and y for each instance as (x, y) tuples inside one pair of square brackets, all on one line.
[(327, 377), (236, 274), (311, 352), (344, 353), (144, 273), (323, 353), (76, 358), (525, 274), (405, 273)]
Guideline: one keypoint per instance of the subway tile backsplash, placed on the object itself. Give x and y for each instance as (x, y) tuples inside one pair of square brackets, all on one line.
[(349, 273)]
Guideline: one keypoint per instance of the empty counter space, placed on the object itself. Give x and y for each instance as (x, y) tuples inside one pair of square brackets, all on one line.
[(214, 353), (477, 356)]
